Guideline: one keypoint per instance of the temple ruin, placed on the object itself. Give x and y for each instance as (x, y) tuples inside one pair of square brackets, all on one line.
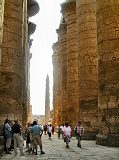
[(85, 65), (85, 69)]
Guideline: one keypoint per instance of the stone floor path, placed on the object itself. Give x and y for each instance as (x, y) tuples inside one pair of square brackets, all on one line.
[(55, 150)]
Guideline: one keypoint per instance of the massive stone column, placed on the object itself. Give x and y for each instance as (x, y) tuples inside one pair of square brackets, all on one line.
[(59, 80), (108, 67), (88, 96), (55, 83), (68, 10), (11, 62), (63, 31)]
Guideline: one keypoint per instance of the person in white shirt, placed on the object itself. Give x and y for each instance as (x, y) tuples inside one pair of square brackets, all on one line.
[(62, 130), (49, 131), (67, 134)]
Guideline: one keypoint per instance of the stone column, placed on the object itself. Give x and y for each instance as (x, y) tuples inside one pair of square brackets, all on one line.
[(88, 96), (68, 10), (59, 80), (55, 83), (108, 76), (63, 28), (11, 62)]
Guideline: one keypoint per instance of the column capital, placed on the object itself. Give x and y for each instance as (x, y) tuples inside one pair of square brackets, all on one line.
[(31, 28), (68, 6), (33, 8)]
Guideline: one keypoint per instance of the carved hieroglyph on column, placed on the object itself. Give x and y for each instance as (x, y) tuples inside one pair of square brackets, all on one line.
[(108, 54), (11, 62), (88, 98), (68, 10), (55, 83)]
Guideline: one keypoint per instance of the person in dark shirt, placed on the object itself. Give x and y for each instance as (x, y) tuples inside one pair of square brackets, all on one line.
[(18, 139)]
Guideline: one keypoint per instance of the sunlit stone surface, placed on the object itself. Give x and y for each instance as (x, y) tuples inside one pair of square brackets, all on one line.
[(89, 76)]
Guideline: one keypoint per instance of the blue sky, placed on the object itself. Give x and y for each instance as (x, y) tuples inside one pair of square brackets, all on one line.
[(47, 21)]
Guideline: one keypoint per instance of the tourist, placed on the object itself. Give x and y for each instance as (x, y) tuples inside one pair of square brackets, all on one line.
[(62, 130), (7, 136), (49, 131), (59, 131), (67, 134), (37, 132), (45, 129), (18, 139), (53, 129), (28, 141), (79, 132)]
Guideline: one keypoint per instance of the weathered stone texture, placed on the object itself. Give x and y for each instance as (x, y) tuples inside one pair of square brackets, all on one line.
[(11, 62), (69, 12), (60, 76), (63, 30), (15, 59), (55, 83), (59, 80), (88, 98), (108, 71), (90, 68)]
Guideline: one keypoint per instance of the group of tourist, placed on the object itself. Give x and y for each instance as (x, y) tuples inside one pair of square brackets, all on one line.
[(48, 129), (13, 134), (13, 131), (66, 132)]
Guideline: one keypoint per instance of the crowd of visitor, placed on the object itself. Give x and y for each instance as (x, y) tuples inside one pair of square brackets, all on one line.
[(14, 136)]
